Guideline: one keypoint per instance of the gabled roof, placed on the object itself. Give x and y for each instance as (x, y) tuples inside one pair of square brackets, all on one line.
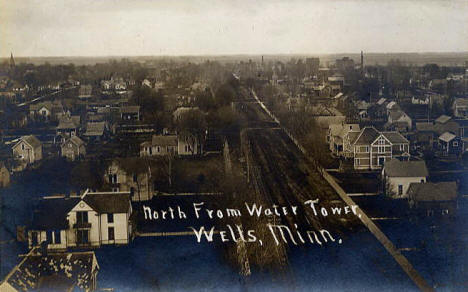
[(95, 129), (52, 213), (395, 137), (447, 137), (353, 135), (31, 140), (75, 140), (397, 114), (381, 101), (430, 192), (108, 202), (54, 271), (346, 128), (391, 104), (66, 122), (443, 119), (164, 140), (397, 168), (38, 106), (367, 136)]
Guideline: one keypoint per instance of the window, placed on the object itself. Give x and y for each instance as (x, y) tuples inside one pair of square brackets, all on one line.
[(422, 180), (34, 238), (430, 213), (445, 212), (113, 178), (151, 150), (57, 237), (400, 190), (22, 146), (158, 149), (49, 238), (381, 141), (110, 218), (82, 236), (82, 217), (135, 178), (381, 149), (115, 190), (110, 232), (455, 143)]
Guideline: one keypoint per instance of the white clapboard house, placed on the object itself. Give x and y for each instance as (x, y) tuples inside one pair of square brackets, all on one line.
[(85, 221)]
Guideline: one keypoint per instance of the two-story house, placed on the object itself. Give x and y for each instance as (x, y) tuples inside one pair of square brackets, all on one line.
[(68, 126), (73, 148), (28, 149), (398, 120), (88, 220), (372, 148), (398, 175), (133, 175), (337, 134)]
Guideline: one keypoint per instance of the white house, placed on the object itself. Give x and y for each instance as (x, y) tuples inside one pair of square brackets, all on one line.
[(28, 149), (85, 221), (398, 175), (181, 144)]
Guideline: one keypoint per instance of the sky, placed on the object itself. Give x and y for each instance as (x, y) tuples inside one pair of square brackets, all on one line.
[(221, 27)]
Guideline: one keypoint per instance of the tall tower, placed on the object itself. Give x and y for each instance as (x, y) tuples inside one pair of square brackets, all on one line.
[(362, 63), (12, 61)]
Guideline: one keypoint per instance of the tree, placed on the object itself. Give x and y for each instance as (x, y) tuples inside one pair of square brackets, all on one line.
[(191, 125)]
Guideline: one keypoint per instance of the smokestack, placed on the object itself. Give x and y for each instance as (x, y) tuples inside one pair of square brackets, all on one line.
[(362, 62)]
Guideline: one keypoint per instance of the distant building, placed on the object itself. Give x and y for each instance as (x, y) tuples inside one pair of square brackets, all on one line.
[(312, 65), (68, 126), (73, 148), (181, 144), (68, 271), (431, 199), (133, 175), (450, 144), (372, 148), (130, 113), (85, 91), (398, 175), (398, 120), (89, 220), (344, 63), (159, 145), (43, 110), (28, 149), (337, 134), (460, 108), (96, 131), (188, 144)]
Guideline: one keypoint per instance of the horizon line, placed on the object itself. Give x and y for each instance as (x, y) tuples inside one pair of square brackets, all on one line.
[(236, 54)]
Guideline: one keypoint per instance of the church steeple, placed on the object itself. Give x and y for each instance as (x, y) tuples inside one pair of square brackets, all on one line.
[(12, 61)]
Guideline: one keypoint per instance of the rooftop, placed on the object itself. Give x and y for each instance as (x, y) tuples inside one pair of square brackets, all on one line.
[(442, 191), (397, 168)]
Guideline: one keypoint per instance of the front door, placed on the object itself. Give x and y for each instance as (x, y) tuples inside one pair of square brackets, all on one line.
[(381, 160), (82, 237)]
